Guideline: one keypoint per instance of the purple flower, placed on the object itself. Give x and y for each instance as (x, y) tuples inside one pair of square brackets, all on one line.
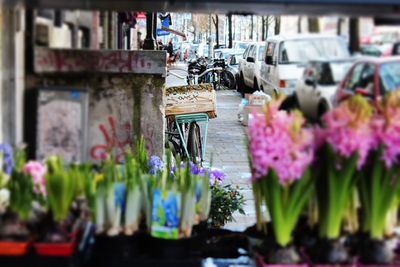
[(216, 176), (7, 155), (155, 164), (197, 170)]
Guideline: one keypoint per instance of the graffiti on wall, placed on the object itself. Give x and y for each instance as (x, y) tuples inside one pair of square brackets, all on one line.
[(118, 139), (53, 60)]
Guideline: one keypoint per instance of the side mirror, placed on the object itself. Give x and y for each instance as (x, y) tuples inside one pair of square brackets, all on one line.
[(250, 59), (363, 92), (311, 82)]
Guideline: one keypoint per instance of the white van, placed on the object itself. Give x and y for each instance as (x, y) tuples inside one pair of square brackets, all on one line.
[(286, 56)]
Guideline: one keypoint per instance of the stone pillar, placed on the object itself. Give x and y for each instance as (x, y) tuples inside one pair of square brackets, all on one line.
[(7, 75), (149, 43)]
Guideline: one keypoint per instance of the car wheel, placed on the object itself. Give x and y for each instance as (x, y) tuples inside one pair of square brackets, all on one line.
[(230, 80), (290, 103), (242, 87), (322, 109), (255, 85)]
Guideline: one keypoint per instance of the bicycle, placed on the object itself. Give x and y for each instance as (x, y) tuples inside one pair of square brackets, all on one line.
[(184, 132)]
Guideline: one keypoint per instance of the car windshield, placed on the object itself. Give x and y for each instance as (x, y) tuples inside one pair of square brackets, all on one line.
[(390, 76), (303, 50), (234, 60)]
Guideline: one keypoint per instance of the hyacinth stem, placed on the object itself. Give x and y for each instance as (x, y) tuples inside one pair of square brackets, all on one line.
[(285, 203), (378, 189), (335, 186)]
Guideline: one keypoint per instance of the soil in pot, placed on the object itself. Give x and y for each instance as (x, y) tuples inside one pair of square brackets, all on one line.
[(332, 252), (286, 255), (374, 251), (305, 236)]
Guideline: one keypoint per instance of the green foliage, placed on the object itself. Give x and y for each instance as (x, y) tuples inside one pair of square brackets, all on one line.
[(225, 200), (21, 187), (334, 188), (62, 188), (378, 190), (285, 203)]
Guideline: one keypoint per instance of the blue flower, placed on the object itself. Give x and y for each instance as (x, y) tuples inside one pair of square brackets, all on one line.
[(8, 158), (155, 164)]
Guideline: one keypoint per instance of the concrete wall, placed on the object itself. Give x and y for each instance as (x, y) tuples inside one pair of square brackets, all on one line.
[(7, 75), (126, 94)]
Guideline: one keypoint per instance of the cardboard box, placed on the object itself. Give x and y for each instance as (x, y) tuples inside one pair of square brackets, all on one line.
[(257, 98), (248, 110)]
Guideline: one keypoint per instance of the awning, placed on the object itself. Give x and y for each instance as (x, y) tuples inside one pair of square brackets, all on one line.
[(310, 7)]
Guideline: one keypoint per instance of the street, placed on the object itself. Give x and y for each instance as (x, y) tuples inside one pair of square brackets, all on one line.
[(226, 149)]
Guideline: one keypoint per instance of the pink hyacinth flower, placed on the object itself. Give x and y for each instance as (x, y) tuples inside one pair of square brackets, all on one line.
[(38, 172), (279, 141)]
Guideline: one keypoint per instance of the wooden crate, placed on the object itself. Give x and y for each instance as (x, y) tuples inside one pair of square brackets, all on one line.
[(199, 98)]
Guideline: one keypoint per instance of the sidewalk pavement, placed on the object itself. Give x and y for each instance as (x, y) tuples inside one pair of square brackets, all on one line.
[(226, 148)]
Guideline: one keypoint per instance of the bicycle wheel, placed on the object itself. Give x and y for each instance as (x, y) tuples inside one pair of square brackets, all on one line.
[(194, 143)]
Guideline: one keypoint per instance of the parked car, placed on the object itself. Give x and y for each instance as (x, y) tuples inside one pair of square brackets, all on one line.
[(315, 91), (377, 50), (249, 68), (232, 68), (241, 44), (371, 77), (286, 57)]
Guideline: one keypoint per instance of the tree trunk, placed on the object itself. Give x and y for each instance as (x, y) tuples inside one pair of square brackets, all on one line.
[(277, 25), (262, 28), (230, 39), (339, 26), (354, 33), (313, 25), (251, 28), (216, 24), (299, 24)]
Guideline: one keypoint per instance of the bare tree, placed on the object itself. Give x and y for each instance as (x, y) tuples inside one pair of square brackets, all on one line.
[(230, 39), (277, 25), (216, 24), (339, 26), (251, 27), (354, 33), (313, 24), (299, 24)]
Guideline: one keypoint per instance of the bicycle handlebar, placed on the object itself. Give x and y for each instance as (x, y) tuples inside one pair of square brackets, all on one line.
[(209, 70)]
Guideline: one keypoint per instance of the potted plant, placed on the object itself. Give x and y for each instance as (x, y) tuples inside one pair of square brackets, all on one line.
[(379, 185), (343, 146), (60, 230), (281, 151), (17, 194)]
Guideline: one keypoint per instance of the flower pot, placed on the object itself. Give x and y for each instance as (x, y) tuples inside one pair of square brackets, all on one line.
[(11, 248), (56, 249), (261, 263)]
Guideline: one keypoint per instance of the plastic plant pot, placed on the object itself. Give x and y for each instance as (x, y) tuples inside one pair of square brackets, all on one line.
[(64, 249), (10, 248)]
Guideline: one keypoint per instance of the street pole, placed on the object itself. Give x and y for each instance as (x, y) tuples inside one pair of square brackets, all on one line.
[(210, 53), (149, 43)]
